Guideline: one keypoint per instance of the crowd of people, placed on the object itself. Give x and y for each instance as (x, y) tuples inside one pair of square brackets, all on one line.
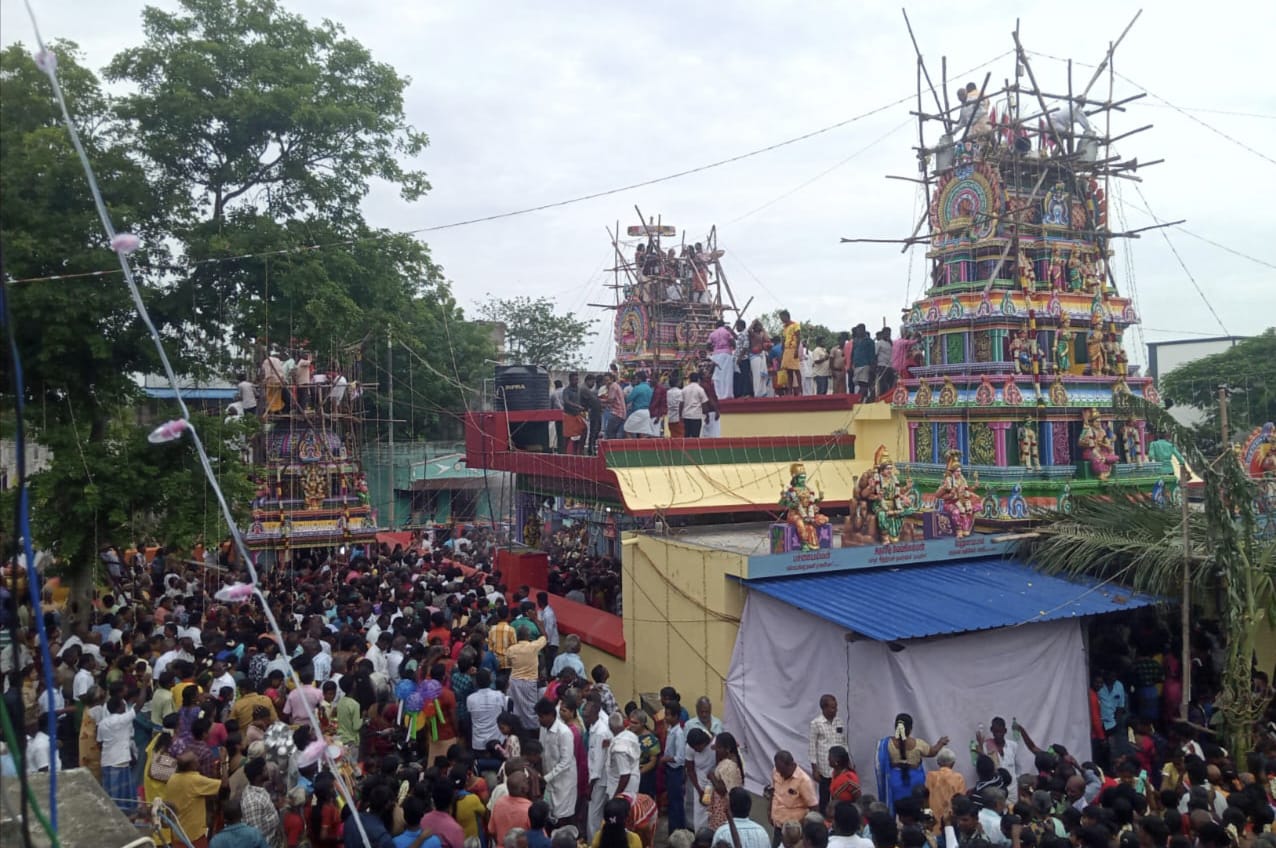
[(751, 362), (740, 361), (451, 712)]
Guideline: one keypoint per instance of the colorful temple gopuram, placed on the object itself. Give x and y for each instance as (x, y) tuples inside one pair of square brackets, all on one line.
[(669, 296), (312, 495), (1019, 369)]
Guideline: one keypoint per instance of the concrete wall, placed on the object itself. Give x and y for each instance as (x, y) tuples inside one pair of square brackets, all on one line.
[(872, 424), (682, 614)]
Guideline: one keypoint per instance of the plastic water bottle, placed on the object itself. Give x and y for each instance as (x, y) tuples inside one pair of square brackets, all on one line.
[(1014, 723)]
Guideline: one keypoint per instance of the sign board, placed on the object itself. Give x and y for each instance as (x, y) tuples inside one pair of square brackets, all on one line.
[(662, 230), (827, 560)]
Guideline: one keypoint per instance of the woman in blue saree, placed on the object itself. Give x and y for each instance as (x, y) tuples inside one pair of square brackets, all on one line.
[(900, 765)]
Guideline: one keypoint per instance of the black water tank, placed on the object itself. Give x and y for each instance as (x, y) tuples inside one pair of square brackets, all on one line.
[(520, 388)]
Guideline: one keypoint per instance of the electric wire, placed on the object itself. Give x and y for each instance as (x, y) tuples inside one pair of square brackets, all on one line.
[(1182, 264)]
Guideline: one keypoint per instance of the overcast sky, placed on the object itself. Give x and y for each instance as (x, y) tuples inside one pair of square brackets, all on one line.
[(528, 104)]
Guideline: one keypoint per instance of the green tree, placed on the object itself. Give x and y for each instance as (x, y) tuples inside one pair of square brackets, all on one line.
[(536, 334), (1248, 368), (268, 131)]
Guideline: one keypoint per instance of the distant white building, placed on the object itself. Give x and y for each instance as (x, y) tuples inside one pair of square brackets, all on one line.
[(1164, 357), (38, 458)]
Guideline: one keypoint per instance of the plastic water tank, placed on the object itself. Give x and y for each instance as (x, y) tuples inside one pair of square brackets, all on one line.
[(521, 387)]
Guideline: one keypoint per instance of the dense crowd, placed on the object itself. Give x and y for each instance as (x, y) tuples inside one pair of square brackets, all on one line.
[(452, 713)]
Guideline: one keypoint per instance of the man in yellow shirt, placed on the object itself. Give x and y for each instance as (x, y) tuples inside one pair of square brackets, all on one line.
[(524, 657), (185, 793), (501, 636), (243, 709)]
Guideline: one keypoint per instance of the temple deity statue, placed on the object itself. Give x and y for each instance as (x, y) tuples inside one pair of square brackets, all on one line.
[(1029, 454), (1023, 350), (803, 507), (1133, 443), (1096, 446), (960, 503), (1095, 353), (1063, 345), (1057, 276), (890, 500), (1076, 274), (1027, 276), (1114, 354)]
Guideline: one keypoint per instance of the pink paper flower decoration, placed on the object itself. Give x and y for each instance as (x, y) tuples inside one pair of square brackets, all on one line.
[(168, 432), (125, 243)]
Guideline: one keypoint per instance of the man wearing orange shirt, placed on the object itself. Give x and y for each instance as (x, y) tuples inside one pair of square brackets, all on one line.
[(792, 793), (510, 811)]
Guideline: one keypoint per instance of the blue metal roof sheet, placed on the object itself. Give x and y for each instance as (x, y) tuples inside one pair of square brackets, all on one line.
[(916, 601)]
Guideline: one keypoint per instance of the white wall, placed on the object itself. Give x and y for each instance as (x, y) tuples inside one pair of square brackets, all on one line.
[(785, 659)]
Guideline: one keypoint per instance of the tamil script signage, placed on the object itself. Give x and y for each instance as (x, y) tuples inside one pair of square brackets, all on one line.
[(827, 560)]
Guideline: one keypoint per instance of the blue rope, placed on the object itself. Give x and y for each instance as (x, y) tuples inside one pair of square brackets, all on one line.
[(24, 529)]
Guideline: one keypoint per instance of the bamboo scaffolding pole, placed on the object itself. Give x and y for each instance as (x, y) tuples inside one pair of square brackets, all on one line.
[(922, 64)]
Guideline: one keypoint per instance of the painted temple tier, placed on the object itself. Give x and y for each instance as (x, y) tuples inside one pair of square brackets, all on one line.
[(1017, 362), (312, 494), (670, 294)]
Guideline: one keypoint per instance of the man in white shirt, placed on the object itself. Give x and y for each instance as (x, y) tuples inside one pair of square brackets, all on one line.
[(377, 654), (115, 733), (179, 652), (599, 741), (41, 756), (623, 757), (990, 815), (549, 625), (222, 678), (485, 705), (673, 400), (558, 756), (83, 680), (1004, 751), (695, 402), (394, 658), (827, 730), (247, 395), (846, 827)]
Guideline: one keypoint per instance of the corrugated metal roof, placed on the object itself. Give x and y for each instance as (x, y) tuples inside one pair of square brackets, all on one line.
[(931, 600)]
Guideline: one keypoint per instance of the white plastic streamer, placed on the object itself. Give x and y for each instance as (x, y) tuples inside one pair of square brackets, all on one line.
[(124, 244)]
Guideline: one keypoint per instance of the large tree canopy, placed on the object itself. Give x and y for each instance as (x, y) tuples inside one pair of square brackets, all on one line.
[(1248, 368), (536, 334), (240, 155)]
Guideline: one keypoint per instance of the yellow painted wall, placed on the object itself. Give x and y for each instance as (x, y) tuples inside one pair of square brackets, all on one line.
[(872, 424), (682, 615), (785, 423)]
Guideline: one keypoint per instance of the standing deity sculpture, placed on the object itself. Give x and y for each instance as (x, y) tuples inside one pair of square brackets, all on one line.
[(1133, 438), (1063, 345), (1029, 453)]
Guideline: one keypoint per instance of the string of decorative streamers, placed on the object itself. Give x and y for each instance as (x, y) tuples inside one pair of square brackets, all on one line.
[(125, 244)]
